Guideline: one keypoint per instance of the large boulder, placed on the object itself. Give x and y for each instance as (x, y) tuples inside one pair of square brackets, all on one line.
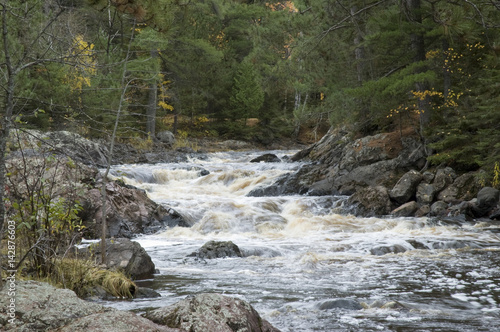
[(405, 188), (487, 201), (123, 254), (129, 212), (371, 201), (166, 137), (42, 307), (211, 312), (267, 158), (464, 188)]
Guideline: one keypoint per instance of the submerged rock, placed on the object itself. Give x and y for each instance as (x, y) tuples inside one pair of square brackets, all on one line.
[(211, 312), (268, 158), (217, 249), (347, 304)]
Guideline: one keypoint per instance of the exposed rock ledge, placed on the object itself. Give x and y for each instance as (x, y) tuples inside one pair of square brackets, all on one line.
[(42, 307)]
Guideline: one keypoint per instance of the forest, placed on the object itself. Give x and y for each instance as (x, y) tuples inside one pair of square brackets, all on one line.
[(257, 70)]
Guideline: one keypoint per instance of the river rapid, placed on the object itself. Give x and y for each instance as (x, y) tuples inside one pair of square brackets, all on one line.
[(302, 251)]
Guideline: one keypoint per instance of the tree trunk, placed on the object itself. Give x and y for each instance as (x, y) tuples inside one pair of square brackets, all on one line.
[(152, 103)]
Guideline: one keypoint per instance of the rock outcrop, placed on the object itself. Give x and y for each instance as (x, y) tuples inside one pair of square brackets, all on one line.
[(217, 249), (42, 307), (211, 312)]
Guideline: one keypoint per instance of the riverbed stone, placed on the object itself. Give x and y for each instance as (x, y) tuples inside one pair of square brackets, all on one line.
[(405, 188), (389, 249), (444, 177), (346, 304), (217, 249), (267, 158), (211, 312), (464, 188), (425, 193), (439, 208)]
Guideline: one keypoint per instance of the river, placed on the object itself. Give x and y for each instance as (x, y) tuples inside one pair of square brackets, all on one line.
[(302, 251)]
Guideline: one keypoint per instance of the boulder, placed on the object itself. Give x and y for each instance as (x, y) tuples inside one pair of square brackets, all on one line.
[(211, 312), (426, 193), (464, 188), (487, 200), (346, 304), (405, 188), (125, 255), (268, 158), (129, 212), (439, 208), (444, 177), (217, 249), (42, 307), (371, 201), (166, 137), (392, 249), (406, 210)]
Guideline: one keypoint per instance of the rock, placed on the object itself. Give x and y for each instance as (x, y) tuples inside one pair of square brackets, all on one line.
[(217, 249), (444, 177), (423, 211), (439, 208), (406, 210), (405, 188), (347, 304), (426, 193), (114, 321), (146, 293), (166, 137), (129, 212), (211, 312), (42, 307), (428, 177), (487, 200), (392, 249), (268, 158), (371, 201), (125, 255), (464, 188), (234, 145)]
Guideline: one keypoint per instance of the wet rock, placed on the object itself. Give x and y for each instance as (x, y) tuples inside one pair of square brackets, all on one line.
[(423, 210), (166, 137), (146, 293), (268, 158), (371, 201), (125, 255), (406, 210), (428, 177), (204, 172), (211, 312), (405, 188), (217, 249), (426, 193), (129, 212), (487, 200), (347, 304), (392, 249), (439, 208)]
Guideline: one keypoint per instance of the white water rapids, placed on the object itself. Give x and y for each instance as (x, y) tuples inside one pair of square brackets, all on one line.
[(300, 251)]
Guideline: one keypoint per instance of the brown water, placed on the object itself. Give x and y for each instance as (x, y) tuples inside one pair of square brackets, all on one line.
[(301, 251)]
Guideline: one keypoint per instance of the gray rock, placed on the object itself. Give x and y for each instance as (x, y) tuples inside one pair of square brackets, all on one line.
[(464, 188), (444, 177), (347, 304), (268, 158), (487, 200), (125, 255), (426, 193), (428, 177), (217, 249), (371, 201), (423, 211), (384, 250), (166, 137), (406, 210), (405, 188), (439, 208), (211, 312)]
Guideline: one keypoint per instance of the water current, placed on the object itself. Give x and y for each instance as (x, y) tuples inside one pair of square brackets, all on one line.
[(302, 252)]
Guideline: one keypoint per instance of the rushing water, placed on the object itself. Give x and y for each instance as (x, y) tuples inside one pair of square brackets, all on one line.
[(301, 251)]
